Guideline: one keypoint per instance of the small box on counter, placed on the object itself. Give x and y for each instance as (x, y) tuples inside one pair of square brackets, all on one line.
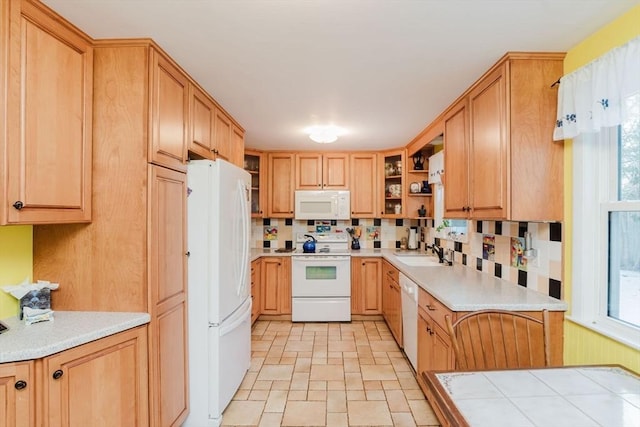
[(38, 299)]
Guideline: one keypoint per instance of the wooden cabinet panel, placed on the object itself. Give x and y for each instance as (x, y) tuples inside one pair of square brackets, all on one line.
[(488, 147), (223, 136), (17, 395), (366, 285), (102, 383), (308, 171), (392, 301), (501, 162), (456, 160), (335, 171), (168, 243), (275, 291), (363, 184), (391, 188), (168, 363), (169, 113), (237, 143), (48, 118), (202, 123), (255, 164), (281, 176), (255, 290), (322, 171)]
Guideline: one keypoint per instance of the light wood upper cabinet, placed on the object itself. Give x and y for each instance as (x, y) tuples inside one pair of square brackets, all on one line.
[(503, 127), (202, 123), (169, 113), (280, 184), (366, 285), (46, 116), (103, 380), (237, 142), (456, 155), (322, 171), (255, 164), (392, 181), (363, 168), (17, 394)]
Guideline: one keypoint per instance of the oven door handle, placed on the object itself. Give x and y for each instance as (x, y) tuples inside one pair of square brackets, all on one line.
[(321, 258)]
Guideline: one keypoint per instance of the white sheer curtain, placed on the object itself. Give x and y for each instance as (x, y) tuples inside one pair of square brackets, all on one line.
[(594, 96)]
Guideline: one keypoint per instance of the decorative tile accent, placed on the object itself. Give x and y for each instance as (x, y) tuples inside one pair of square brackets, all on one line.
[(376, 245), (271, 233), (266, 221), (517, 253), (497, 270), (266, 244), (288, 221), (488, 247), (457, 246), (288, 244), (377, 222), (355, 221), (498, 227), (399, 222), (464, 259), (479, 264), (478, 226)]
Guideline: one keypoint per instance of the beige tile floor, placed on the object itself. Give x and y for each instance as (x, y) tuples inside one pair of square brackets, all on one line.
[(327, 374)]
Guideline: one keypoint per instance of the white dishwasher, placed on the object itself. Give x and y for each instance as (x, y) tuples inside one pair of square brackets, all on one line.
[(410, 319)]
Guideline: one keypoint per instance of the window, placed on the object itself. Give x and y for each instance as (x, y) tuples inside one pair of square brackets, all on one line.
[(606, 221)]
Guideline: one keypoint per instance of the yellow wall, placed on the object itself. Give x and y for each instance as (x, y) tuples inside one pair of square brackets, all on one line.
[(16, 263), (582, 345)]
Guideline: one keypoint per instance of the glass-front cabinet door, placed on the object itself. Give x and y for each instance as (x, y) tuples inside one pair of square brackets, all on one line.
[(392, 166), (254, 164)]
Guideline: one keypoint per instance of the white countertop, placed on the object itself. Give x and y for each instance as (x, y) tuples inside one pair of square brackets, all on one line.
[(68, 329), (571, 396), (459, 287)]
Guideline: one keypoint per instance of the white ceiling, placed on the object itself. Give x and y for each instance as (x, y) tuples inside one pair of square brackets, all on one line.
[(382, 69)]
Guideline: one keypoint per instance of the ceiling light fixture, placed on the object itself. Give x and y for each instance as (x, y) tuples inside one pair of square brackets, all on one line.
[(324, 134)]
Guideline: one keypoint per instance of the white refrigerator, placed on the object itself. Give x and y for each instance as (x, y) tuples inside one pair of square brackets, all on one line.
[(218, 224)]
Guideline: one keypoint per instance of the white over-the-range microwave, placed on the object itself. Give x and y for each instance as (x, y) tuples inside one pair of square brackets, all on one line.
[(322, 204)]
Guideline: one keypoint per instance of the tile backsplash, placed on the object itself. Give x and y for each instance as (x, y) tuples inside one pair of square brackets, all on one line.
[(492, 247)]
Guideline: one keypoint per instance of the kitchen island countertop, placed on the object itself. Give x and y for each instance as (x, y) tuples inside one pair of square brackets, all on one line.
[(68, 329)]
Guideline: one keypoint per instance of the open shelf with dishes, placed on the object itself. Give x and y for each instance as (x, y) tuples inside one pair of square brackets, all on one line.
[(253, 164), (392, 184), (419, 193)]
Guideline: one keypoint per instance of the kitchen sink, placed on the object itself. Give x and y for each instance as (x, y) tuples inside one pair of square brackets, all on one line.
[(415, 260)]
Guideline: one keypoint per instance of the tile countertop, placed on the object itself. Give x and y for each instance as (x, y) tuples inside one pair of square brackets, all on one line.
[(458, 287), (569, 396), (68, 329)]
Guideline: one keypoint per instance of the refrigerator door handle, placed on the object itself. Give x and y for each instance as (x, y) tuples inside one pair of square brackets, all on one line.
[(244, 238)]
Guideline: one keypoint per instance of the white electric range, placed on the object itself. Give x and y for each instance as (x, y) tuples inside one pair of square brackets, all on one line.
[(321, 281)]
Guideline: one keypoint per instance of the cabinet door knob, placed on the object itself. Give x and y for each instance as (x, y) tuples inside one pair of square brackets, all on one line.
[(188, 253), (18, 205), (57, 374), (20, 385)]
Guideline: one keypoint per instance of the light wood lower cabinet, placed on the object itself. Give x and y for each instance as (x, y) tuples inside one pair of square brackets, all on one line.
[(392, 300), (17, 394), (275, 282), (255, 290), (102, 383), (366, 285)]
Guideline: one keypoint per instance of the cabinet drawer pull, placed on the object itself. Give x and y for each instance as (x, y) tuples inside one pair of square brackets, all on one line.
[(430, 307), (20, 385), (58, 374), (18, 205)]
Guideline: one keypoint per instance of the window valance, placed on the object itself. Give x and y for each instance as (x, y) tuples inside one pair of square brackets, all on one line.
[(594, 96)]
